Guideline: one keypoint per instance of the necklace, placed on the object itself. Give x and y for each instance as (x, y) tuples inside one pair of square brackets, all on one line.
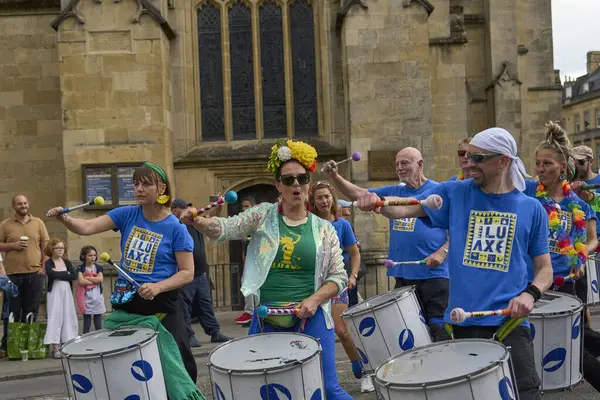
[(574, 246)]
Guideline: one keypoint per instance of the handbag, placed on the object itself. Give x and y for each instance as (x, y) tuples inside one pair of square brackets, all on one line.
[(26, 336)]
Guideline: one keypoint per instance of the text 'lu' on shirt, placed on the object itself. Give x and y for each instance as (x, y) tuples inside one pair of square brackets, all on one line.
[(148, 248), (560, 262), (414, 239), (292, 273), (491, 238)]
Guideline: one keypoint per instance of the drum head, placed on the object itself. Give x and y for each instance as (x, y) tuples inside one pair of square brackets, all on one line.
[(553, 303), (257, 353), (441, 362), (106, 341), (379, 300)]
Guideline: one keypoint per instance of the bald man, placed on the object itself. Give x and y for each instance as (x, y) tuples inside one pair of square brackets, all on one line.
[(412, 239)]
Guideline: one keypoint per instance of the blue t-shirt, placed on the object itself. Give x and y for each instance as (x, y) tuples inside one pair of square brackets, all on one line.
[(454, 178), (492, 237), (560, 262), (413, 239), (148, 248), (595, 181), (345, 235)]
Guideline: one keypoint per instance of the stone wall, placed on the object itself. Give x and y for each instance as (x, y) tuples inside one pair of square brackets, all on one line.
[(31, 154)]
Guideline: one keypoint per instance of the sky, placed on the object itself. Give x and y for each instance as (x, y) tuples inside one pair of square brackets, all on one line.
[(575, 31)]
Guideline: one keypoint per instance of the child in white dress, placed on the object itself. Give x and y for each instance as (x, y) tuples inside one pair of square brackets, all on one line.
[(90, 301), (62, 318)]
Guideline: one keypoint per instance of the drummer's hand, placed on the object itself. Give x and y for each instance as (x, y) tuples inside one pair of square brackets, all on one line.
[(351, 282), (308, 308), (149, 290), (578, 273), (368, 202), (53, 212), (435, 259), (521, 305), (330, 168)]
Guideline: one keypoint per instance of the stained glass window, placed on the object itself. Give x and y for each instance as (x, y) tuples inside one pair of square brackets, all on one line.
[(304, 68), (242, 73), (211, 73), (273, 73)]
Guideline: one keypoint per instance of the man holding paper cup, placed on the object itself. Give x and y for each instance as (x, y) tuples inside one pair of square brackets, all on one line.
[(22, 238)]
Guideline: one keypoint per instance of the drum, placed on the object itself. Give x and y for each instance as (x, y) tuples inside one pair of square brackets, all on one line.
[(557, 333), (466, 369), (387, 324), (267, 366), (592, 275), (114, 364)]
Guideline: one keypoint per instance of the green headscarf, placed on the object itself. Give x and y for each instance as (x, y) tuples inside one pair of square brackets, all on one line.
[(158, 170)]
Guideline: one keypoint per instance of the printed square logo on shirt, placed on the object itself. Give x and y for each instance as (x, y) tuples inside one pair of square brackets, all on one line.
[(566, 218), (140, 250), (490, 240), (405, 224)]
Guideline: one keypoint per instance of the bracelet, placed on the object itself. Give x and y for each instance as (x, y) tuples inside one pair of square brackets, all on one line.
[(534, 292), (445, 250)]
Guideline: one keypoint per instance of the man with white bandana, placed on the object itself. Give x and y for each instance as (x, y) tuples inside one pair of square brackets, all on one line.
[(495, 228)]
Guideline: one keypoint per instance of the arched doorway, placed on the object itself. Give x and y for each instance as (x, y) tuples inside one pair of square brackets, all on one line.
[(261, 193)]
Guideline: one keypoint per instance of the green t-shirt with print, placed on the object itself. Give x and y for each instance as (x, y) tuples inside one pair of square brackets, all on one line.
[(292, 274)]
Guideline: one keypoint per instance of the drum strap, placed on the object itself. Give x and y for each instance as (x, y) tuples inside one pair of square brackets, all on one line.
[(500, 334)]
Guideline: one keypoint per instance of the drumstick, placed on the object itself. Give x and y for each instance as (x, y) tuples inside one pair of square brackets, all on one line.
[(559, 281), (230, 197), (591, 187), (459, 315), (390, 263), (432, 201), (339, 295), (105, 257), (356, 156), (98, 201), (263, 311)]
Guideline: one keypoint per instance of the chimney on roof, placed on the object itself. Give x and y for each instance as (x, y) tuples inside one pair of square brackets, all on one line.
[(593, 61)]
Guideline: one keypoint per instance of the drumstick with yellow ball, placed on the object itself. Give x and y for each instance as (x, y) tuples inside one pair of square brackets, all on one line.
[(98, 201), (459, 315), (105, 257)]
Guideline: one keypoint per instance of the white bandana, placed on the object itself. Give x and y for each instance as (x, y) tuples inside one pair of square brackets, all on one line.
[(498, 140)]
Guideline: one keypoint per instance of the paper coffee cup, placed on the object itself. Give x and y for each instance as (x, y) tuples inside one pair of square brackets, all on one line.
[(24, 238)]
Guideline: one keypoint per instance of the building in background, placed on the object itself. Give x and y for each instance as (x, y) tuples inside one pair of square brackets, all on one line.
[(581, 106), (89, 89)]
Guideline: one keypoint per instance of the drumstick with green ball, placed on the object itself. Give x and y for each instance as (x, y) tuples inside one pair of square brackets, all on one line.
[(459, 315), (105, 257), (391, 263)]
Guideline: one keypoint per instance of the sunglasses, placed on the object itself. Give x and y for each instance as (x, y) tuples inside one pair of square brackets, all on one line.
[(462, 153), (288, 180), (581, 162), (481, 158)]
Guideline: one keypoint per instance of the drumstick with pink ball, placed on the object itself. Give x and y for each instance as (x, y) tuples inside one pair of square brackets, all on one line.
[(356, 156), (459, 315), (98, 201), (230, 197), (391, 263), (432, 201), (264, 311), (105, 257)]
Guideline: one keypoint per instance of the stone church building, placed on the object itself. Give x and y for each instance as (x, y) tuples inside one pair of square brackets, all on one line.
[(91, 88)]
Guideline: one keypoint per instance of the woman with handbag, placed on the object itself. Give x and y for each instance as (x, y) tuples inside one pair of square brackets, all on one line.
[(323, 203), (294, 258)]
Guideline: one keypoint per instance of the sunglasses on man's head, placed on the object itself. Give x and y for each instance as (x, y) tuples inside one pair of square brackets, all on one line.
[(481, 158), (288, 180), (462, 153)]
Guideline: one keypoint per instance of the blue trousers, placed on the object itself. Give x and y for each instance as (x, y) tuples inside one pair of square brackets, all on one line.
[(316, 328), (197, 302)]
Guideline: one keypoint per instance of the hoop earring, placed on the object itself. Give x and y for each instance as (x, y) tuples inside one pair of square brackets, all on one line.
[(562, 177), (162, 199)]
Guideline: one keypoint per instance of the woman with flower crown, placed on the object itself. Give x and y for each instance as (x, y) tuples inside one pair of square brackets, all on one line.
[(571, 221), (294, 258)]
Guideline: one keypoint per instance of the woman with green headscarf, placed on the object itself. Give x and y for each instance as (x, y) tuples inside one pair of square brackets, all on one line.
[(156, 252)]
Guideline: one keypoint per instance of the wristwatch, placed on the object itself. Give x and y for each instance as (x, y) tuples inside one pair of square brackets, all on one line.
[(445, 250)]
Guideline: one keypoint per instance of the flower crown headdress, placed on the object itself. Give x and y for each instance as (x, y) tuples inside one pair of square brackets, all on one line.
[(283, 151)]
